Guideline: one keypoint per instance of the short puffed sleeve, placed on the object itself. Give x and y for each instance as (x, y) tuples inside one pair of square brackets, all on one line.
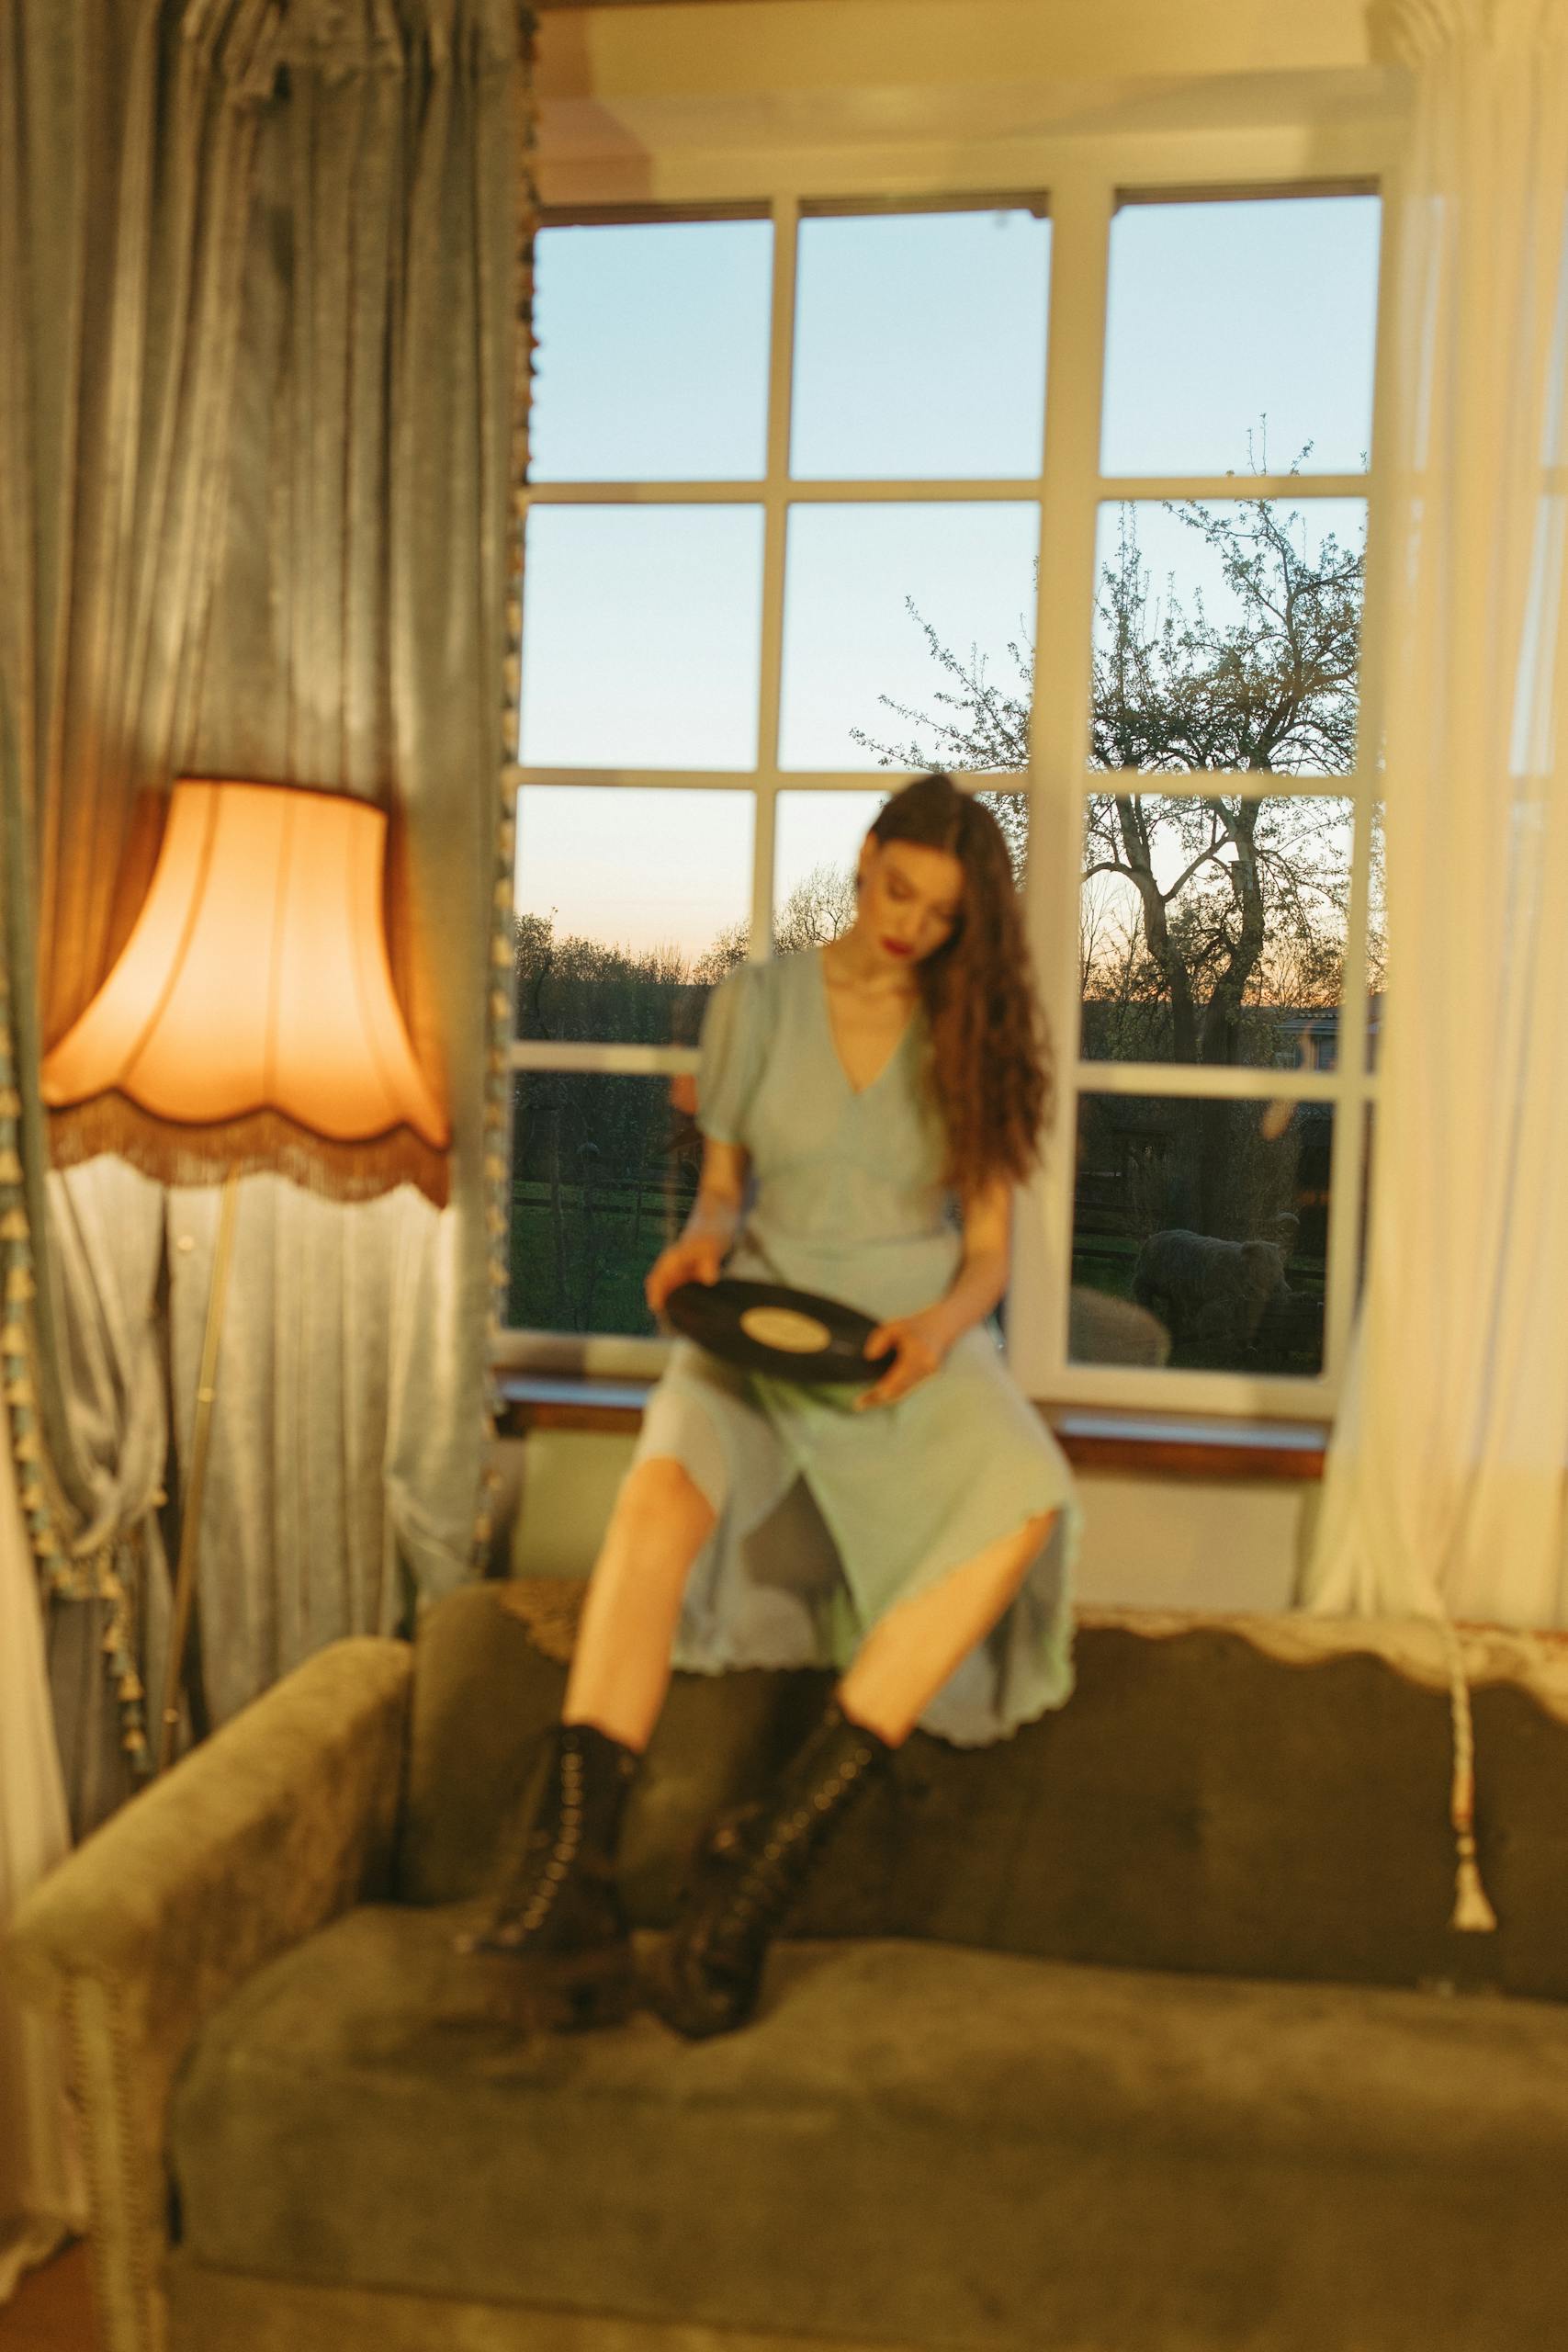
[(731, 1049)]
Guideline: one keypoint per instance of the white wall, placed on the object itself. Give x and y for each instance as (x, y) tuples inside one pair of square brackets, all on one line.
[(1149, 1543)]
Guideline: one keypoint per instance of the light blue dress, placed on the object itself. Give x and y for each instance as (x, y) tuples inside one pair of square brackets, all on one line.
[(826, 1516)]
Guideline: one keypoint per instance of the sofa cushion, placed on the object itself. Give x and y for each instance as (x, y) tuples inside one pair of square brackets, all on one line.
[(1197, 1805), (914, 2143)]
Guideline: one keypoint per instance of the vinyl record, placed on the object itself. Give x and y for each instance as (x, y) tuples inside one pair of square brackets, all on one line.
[(766, 1326)]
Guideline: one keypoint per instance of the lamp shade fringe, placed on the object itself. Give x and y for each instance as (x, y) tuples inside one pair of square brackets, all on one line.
[(266, 1142)]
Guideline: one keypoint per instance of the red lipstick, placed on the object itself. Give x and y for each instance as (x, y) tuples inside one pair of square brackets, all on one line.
[(895, 947)]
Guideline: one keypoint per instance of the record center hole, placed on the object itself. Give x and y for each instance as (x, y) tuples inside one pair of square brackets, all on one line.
[(783, 1326)]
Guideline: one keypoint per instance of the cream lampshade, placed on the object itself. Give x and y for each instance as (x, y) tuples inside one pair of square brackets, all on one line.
[(256, 978), (250, 1022)]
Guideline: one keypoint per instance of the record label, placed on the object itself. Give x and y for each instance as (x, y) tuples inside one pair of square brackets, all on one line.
[(783, 1326)]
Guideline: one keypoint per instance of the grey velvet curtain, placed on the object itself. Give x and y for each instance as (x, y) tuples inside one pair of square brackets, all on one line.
[(125, 143), (257, 275), (356, 639)]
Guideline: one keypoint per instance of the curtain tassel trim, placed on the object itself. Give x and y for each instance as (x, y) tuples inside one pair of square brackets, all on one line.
[(112, 1572), (500, 996)]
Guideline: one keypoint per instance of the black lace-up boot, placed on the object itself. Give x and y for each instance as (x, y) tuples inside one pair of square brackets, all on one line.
[(751, 1869), (558, 1910)]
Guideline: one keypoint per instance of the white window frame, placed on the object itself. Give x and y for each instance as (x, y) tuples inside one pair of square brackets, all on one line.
[(1080, 184)]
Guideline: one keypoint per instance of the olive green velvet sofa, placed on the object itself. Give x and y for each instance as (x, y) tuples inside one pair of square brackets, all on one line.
[(1143, 2033)]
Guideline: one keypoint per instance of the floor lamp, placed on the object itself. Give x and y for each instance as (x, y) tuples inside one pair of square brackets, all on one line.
[(251, 1021)]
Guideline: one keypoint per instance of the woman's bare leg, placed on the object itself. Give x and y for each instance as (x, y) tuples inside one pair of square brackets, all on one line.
[(620, 1668), (909, 1654)]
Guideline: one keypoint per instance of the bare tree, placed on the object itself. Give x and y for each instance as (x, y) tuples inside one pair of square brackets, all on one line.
[(820, 907), (732, 947), (1240, 901)]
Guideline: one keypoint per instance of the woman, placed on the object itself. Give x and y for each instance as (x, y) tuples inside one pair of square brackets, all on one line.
[(884, 1093)]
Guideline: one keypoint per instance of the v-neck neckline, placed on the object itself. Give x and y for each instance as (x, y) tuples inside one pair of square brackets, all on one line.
[(856, 1093)]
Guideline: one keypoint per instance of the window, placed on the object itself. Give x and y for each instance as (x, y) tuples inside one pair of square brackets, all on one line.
[(824, 494), (1225, 833)]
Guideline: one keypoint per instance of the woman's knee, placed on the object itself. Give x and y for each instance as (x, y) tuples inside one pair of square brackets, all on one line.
[(665, 1488)]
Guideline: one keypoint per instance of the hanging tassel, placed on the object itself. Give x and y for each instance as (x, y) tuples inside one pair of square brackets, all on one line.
[(1472, 1914)]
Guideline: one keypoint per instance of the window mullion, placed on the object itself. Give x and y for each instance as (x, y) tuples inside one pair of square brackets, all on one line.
[(1080, 225), (574, 1057), (1226, 489), (1347, 1160), (781, 365), (1210, 1081), (1235, 784)]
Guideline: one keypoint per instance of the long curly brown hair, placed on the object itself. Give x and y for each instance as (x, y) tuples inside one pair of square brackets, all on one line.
[(989, 1064)]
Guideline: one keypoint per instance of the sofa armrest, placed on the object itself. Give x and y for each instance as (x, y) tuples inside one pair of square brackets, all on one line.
[(282, 1820)]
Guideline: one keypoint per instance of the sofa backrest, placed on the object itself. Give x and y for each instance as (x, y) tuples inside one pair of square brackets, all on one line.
[(1198, 1804)]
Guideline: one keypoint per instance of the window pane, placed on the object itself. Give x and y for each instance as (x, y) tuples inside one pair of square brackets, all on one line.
[(641, 637), (1205, 1222), (603, 1175), (890, 608), (1214, 931), (919, 347), (653, 351), (630, 902), (1240, 336), (815, 844), (1228, 636)]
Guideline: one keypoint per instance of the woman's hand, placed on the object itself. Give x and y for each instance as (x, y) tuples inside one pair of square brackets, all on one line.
[(712, 1230), (918, 1344), (695, 1258)]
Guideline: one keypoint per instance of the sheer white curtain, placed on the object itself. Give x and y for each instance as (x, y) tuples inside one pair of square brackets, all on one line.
[(41, 2197), (1445, 1487)]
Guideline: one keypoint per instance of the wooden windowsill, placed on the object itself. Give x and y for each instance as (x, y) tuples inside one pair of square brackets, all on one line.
[(1125, 1444)]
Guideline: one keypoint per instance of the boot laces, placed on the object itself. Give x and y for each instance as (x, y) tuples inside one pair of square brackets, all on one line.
[(559, 1850), (770, 1879)]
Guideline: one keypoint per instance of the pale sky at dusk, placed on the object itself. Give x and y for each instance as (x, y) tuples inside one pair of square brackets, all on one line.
[(919, 352)]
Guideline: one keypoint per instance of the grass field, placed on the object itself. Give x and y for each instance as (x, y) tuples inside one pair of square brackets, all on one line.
[(582, 1268)]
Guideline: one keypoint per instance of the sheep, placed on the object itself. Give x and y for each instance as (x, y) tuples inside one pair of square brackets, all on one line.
[(1209, 1290)]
